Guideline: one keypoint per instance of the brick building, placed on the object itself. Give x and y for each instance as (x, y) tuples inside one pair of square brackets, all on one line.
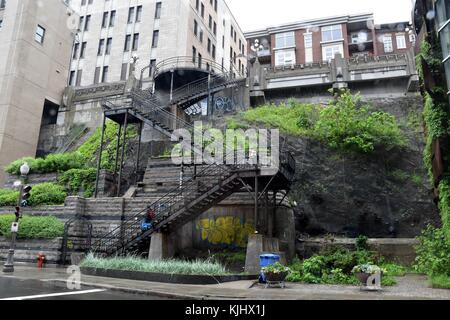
[(306, 58), (318, 40)]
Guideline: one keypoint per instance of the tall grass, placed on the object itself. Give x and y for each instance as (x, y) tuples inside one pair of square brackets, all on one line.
[(130, 263)]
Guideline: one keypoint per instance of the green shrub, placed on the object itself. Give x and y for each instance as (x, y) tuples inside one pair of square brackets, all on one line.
[(433, 253), (291, 118), (361, 243), (345, 125), (197, 267), (440, 281), (8, 197), (33, 227), (335, 266), (58, 162), (76, 180), (47, 194)]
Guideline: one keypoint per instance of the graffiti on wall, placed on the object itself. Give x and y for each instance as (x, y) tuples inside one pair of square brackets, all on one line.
[(225, 231), (226, 104)]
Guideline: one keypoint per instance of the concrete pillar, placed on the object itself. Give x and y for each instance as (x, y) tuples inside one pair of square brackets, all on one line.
[(254, 250), (159, 246), (285, 231)]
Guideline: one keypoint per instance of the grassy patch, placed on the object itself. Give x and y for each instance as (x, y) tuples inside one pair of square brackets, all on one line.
[(197, 267), (345, 124), (440, 281), (33, 227)]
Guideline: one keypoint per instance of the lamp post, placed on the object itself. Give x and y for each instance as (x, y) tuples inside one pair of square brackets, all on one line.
[(9, 264)]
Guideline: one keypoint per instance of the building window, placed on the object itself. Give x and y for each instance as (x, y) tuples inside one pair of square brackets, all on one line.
[(40, 34), (401, 41), (79, 75), (87, 23), (285, 57), (387, 43), (76, 47), (139, 14), (213, 51), (123, 72), (202, 13), (285, 40), (105, 74), (83, 50), (158, 10), (443, 12), (112, 19), (97, 75), (105, 20), (155, 39), (329, 52), (444, 35), (209, 46), (127, 45), (72, 78), (308, 47), (135, 41), (332, 33), (2, 4), (308, 40), (101, 45), (108, 46), (130, 15), (195, 27), (194, 54)]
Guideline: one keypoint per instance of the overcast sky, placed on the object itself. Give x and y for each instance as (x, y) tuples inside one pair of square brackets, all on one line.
[(258, 14)]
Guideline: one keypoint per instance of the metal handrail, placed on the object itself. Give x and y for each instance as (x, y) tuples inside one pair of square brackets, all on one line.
[(173, 201), (193, 62)]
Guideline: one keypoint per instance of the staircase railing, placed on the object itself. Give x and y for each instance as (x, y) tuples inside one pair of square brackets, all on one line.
[(163, 208)]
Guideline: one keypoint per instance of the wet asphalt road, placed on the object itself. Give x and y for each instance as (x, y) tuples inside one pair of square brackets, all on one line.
[(17, 288)]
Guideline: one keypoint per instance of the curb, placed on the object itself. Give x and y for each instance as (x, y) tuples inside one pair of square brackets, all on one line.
[(161, 294)]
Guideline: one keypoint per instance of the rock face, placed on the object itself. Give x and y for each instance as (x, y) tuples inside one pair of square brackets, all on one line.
[(380, 195)]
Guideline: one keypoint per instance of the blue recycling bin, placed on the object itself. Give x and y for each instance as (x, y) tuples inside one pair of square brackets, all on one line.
[(267, 260)]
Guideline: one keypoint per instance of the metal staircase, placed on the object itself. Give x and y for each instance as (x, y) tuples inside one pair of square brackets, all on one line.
[(204, 190), (200, 193)]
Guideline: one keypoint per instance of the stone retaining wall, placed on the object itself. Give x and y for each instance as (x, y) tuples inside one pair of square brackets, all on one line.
[(28, 250), (400, 250)]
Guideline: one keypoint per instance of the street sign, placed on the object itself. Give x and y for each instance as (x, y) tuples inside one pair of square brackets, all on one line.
[(15, 227)]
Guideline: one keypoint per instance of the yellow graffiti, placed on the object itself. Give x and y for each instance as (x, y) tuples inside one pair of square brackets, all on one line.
[(225, 231)]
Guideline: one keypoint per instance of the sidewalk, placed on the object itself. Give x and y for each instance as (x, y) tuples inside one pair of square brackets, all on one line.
[(408, 287)]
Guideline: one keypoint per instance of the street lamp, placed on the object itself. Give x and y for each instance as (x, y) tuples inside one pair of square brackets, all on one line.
[(24, 193)]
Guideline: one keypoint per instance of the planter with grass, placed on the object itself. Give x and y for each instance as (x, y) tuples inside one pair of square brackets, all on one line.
[(169, 271)]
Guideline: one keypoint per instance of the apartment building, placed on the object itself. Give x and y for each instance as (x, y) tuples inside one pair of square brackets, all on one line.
[(113, 32), (319, 40), (35, 46)]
